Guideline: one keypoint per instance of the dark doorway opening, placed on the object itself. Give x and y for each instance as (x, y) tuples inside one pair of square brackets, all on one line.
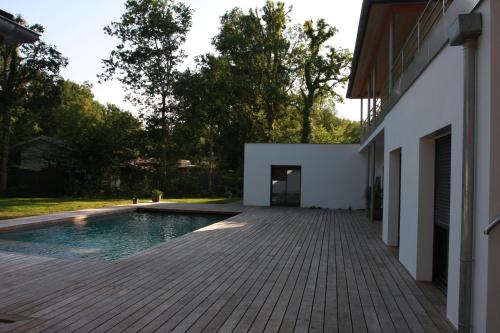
[(285, 185), (442, 211), (399, 196)]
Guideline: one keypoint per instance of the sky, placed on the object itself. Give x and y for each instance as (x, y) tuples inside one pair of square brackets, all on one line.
[(76, 28)]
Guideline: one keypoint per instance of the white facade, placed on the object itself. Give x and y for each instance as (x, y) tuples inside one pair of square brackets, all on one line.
[(434, 103), (404, 145), (332, 176)]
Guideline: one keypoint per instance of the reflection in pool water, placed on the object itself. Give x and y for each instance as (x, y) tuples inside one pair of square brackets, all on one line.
[(109, 238)]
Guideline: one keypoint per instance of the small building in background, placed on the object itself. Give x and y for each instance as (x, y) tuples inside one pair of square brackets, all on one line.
[(185, 165), (41, 153)]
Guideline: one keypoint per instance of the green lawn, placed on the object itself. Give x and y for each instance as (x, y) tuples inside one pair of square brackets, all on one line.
[(20, 207)]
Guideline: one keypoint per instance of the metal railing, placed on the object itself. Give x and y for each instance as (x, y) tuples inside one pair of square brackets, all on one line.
[(431, 14), (492, 226)]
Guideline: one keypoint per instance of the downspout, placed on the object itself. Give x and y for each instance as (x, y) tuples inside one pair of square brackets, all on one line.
[(464, 31), (372, 185)]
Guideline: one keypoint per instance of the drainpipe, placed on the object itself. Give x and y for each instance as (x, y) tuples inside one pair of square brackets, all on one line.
[(464, 31), (372, 191), (361, 125)]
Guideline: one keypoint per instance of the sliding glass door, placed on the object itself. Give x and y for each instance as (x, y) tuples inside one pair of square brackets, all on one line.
[(285, 185)]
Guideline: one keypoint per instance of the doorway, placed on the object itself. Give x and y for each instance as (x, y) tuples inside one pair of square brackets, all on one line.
[(441, 211), (285, 185), (394, 202)]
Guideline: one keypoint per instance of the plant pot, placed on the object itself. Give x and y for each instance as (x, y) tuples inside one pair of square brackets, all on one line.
[(156, 197), (135, 201)]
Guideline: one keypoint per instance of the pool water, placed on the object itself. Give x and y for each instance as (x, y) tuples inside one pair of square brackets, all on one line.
[(107, 238)]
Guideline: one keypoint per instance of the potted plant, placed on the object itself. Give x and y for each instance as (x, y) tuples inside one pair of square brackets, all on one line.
[(156, 195), (378, 199), (368, 198)]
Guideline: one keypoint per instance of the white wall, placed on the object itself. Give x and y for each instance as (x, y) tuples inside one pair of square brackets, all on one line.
[(492, 284), (333, 176), (433, 102)]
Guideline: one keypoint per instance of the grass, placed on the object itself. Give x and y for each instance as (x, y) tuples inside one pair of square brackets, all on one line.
[(21, 207)]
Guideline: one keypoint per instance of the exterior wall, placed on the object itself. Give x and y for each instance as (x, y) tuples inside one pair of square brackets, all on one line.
[(332, 176), (433, 102), (38, 155), (492, 285), (482, 203)]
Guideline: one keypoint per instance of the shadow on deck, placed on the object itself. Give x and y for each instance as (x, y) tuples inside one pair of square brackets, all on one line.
[(266, 269)]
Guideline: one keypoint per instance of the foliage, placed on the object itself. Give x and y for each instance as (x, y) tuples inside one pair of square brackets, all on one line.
[(256, 45), (327, 127), (320, 69), (151, 33), (378, 198), (253, 89), (22, 69), (101, 140), (267, 81), (157, 192)]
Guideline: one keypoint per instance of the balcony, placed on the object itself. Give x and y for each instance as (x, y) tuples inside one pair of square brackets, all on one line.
[(385, 72)]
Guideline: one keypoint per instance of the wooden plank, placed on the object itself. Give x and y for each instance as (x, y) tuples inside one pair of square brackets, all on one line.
[(293, 289), (255, 319), (210, 285), (249, 307), (310, 296), (217, 314), (267, 269), (93, 296), (331, 308)]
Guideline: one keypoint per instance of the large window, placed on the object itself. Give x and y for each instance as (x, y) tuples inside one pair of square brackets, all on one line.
[(285, 185)]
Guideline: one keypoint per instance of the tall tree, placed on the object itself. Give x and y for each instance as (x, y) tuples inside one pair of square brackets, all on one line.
[(256, 45), (20, 67), (205, 96), (151, 33), (320, 69)]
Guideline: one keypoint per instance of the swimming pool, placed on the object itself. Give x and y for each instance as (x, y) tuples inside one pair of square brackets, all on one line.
[(108, 238)]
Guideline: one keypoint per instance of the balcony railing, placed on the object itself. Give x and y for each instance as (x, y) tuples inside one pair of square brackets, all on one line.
[(432, 12), (430, 16)]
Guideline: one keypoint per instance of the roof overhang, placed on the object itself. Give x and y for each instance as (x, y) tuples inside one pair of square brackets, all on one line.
[(372, 9), (14, 33)]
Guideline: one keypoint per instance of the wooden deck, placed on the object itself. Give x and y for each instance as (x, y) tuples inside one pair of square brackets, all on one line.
[(265, 270)]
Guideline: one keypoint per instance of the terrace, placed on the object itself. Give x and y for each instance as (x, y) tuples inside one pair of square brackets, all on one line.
[(266, 269)]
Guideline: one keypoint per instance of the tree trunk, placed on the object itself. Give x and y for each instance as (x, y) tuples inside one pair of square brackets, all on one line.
[(4, 150), (306, 119), (211, 163), (306, 125), (164, 132), (10, 63)]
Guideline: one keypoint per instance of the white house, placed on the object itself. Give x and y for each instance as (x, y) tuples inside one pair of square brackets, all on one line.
[(427, 74), (305, 175)]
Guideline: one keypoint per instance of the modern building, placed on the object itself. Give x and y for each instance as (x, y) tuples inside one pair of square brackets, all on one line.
[(13, 33), (428, 79), (304, 175)]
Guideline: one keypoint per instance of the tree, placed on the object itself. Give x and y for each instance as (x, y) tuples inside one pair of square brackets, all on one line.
[(327, 127), (20, 67), (205, 96), (101, 138), (151, 33), (320, 69), (256, 45)]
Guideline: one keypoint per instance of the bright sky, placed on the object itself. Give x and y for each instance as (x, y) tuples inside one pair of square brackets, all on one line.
[(75, 27)]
